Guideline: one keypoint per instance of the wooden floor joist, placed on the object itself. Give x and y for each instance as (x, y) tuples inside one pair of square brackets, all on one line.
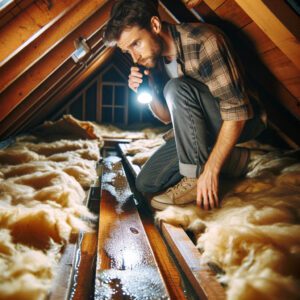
[(200, 277), (63, 279), (126, 267)]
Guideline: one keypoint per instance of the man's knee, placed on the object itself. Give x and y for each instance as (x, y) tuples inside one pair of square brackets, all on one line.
[(172, 87), (174, 91)]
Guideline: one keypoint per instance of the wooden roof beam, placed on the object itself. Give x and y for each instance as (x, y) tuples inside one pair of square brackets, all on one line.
[(29, 24), (33, 110), (46, 41), (41, 70), (262, 13)]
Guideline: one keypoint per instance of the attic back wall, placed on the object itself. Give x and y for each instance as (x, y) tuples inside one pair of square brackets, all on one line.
[(106, 97)]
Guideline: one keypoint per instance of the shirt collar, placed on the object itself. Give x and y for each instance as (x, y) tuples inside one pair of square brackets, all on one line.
[(177, 39)]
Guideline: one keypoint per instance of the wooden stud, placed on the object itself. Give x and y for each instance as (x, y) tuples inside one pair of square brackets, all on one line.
[(214, 4), (274, 27), (62, 281), (232, 12)]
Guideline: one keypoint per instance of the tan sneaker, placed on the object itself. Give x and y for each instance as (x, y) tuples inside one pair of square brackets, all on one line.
[(184, 192)]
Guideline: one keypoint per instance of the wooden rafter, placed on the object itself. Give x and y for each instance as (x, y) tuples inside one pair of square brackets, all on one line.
[(275, 27), (54, 56), (29, 24)]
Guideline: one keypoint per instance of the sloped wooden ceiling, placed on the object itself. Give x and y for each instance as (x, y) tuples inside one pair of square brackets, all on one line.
[(35, 54), (37, 41)]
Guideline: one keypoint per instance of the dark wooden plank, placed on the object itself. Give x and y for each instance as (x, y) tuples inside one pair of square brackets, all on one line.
[(171, 274), (232, 12), (83, 288), (188, 256), (202, 279), (63, 278), (126, 267)]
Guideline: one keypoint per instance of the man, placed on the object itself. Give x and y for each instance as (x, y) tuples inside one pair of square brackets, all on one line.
[(205, 99)]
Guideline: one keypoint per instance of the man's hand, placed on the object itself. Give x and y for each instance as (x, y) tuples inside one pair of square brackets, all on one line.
[(207, 190), (208, 182), (136, 78)]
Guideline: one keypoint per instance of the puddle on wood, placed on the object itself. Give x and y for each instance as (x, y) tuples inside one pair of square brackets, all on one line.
[(110, 161), (141, 283), (133, 273), (108, 177), (125, 247), (116, 184)]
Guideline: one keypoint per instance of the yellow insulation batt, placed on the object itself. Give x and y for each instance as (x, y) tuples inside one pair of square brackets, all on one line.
[(41, 206), (255, 235)]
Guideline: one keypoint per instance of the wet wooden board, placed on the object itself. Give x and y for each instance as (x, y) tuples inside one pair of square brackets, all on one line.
[(82, 287), (171, 274), (63, 278), (126, 267), (202, 279)]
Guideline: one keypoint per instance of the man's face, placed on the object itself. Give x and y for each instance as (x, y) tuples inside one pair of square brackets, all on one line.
[(144, 46)]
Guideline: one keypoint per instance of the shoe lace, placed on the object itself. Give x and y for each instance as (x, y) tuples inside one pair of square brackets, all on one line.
[(184, 185)]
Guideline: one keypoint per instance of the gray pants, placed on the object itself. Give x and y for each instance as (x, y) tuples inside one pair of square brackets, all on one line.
[(196, 121)]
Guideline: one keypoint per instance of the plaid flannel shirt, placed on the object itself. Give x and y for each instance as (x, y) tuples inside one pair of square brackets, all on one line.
[(204, 54)]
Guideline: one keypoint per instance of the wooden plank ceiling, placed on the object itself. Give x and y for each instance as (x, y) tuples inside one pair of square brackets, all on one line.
[(37, 41)]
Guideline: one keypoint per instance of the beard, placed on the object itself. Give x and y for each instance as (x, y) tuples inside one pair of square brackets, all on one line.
[(151, 60)]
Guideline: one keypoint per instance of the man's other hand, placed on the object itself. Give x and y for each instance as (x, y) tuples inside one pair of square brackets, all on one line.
[(207, 190), (136, 78)]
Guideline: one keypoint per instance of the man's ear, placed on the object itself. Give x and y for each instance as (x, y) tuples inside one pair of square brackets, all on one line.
[(155, 24)]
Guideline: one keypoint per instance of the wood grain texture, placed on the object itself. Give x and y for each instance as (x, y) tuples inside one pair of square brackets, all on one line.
[(85, 277), (201, 277), (232, 12), (274, 27), (126, 266), (62, 280), (21, 80), (188, 257)]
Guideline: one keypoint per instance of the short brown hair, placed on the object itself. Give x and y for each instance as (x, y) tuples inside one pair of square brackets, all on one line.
[(128, 13)]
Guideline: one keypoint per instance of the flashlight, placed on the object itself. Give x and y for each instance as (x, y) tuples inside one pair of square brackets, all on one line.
[(144, 93)]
